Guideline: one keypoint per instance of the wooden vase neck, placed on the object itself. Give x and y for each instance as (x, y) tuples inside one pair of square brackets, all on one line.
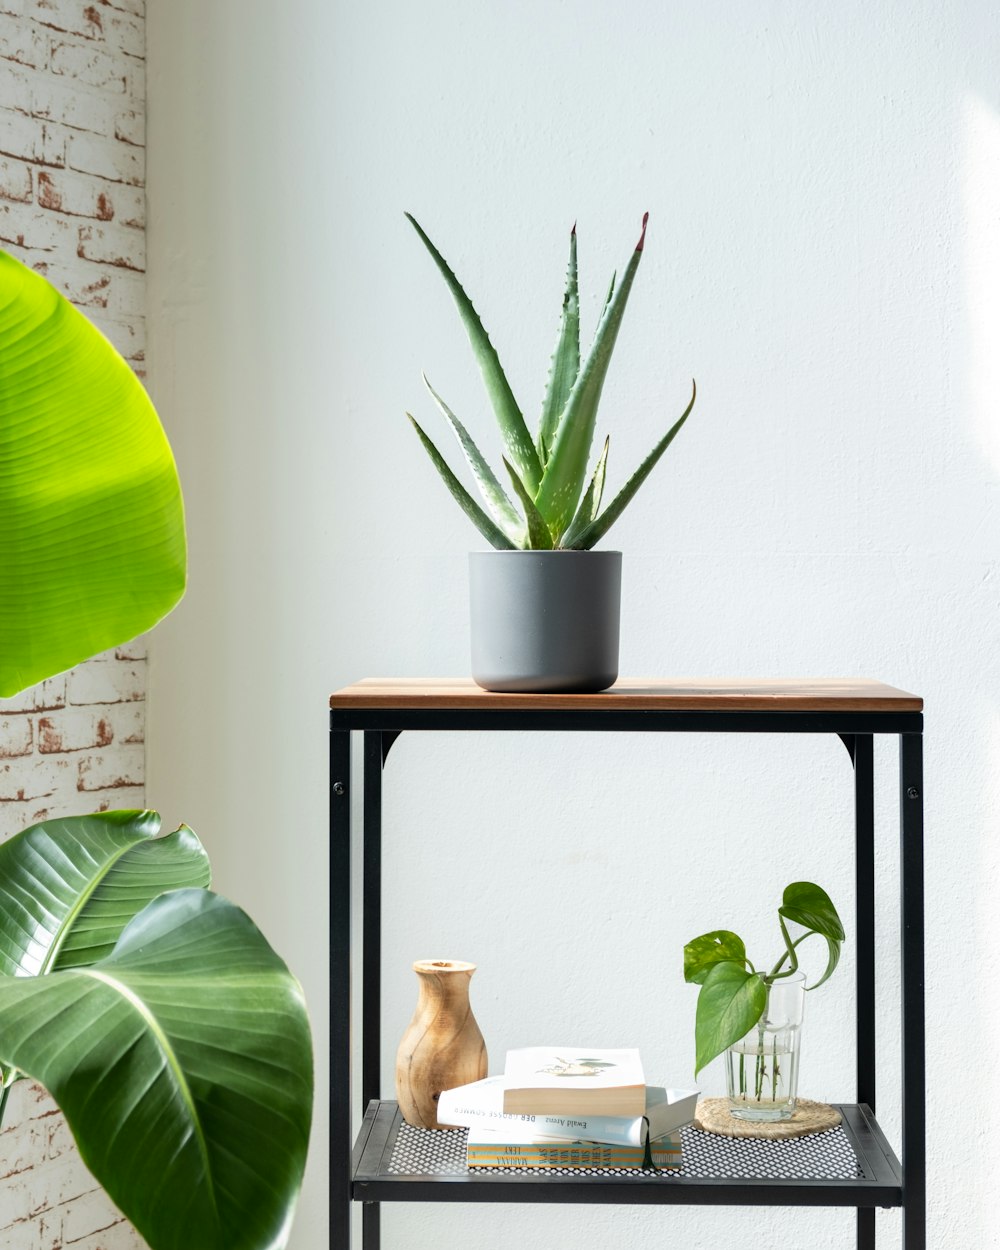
[(443, 980)]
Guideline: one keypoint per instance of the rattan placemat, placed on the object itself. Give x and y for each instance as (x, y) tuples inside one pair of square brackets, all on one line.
[(712, 1116)]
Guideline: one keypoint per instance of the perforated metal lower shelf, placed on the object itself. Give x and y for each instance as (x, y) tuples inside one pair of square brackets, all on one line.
[(847, 1166)]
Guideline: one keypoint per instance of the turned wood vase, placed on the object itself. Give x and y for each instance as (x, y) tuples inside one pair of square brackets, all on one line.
[(442, 1047)]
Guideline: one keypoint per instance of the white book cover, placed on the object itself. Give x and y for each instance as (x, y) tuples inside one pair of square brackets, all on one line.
[(480, 1105)]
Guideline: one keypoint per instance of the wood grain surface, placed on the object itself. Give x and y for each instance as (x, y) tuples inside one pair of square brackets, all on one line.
[(749, 694)]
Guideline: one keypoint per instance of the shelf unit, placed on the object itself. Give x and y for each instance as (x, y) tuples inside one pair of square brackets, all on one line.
[(852, 1166)]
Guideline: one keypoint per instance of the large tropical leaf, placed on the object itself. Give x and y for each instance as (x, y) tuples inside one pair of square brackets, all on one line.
[(509, 417), (566, 469), (183, 1064), (91, 521), (68, 887)]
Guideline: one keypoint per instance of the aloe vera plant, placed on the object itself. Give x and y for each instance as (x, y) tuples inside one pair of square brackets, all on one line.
[(556, 506)]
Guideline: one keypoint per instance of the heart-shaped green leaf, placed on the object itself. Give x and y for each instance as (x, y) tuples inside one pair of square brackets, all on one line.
[(810, 906), (703, 953), (183, 1064), (91, 520), (730, 1003)]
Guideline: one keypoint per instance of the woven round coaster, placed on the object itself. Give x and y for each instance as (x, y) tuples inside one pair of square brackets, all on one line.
[(712, 1116)]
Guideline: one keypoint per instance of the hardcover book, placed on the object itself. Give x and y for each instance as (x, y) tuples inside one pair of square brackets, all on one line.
[(547, 1080), (480, 1104), (488, 1149)]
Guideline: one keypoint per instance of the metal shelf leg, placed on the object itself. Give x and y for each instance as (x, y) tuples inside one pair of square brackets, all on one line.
[(371, 962), (371, 958), (340, 990), (864, 834), (911, 823), (864, 837)]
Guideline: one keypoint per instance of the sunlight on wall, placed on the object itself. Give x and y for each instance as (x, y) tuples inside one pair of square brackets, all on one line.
[(980, 185), (987, 935)]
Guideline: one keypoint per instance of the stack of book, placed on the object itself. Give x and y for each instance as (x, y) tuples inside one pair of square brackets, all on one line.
[(558, 1107)]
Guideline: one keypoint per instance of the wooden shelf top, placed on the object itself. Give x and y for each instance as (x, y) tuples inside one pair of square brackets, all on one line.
[(746, 694)]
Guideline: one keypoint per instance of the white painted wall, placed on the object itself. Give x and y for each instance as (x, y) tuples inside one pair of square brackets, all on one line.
[(824, 191)]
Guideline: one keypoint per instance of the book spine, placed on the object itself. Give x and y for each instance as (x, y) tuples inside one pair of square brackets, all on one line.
[(611, 1130), (570, 1155)]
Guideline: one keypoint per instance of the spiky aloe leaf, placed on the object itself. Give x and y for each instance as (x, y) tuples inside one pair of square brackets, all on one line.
[(565, 359), (515, 432), (504, 512), (611, 291), (599, 527), (491, 532), (562, 481), (591, 502), (539, 538)]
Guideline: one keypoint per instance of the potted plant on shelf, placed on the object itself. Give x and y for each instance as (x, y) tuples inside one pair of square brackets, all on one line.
[(171, 1035), (754, 1016), (545, 607)]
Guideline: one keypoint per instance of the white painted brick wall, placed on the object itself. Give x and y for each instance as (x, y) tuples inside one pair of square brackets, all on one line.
[(72, 206)]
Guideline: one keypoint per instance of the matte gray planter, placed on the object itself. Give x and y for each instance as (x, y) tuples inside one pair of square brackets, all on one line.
[(545, 620)]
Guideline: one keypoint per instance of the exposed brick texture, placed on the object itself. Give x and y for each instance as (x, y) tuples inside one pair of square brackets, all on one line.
[(72, 154), (72, 206)]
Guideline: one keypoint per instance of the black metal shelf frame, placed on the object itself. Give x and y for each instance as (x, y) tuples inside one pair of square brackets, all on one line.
[(365, 1174)]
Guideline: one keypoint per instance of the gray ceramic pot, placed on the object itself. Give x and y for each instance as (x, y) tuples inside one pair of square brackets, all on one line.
[(545, 620)]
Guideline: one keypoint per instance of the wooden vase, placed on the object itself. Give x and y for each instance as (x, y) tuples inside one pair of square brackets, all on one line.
[(442, 1047)]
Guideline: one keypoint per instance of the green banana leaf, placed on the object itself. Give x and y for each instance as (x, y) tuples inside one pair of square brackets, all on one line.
[(92, 548), (183, 1065), (68, 887)]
